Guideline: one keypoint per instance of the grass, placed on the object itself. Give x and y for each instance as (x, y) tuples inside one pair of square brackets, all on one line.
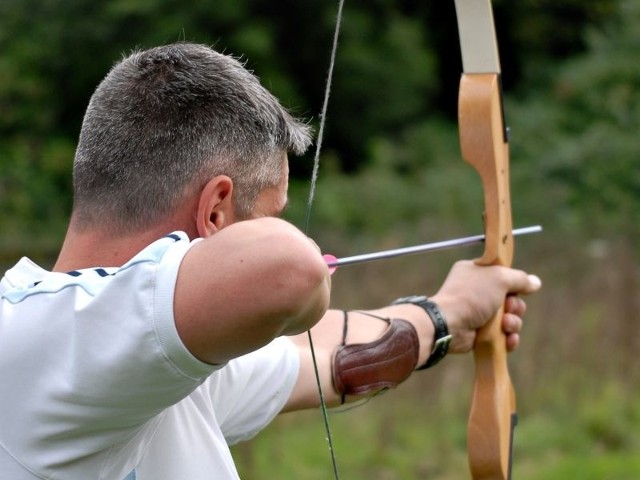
[(406, 437)]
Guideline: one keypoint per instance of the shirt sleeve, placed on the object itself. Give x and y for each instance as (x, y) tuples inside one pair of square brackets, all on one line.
[(173, 349), (251, 390)]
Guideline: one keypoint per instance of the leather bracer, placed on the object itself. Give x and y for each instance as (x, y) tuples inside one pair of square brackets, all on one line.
[(367, 368)]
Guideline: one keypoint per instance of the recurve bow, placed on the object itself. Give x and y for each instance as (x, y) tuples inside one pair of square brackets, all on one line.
[(484, 145)]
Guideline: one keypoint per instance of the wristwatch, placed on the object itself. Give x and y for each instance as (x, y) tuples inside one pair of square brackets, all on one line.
[(442, 338)]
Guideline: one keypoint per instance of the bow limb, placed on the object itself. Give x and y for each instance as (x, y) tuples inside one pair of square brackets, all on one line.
[(484, 145)]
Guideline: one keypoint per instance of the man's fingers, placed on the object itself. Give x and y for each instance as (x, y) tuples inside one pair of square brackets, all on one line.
[(533, 284), (523, 283), (515, 305), (511, 323), (513, 340)]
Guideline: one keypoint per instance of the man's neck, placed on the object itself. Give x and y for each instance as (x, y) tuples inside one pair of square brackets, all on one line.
[(87, 248)]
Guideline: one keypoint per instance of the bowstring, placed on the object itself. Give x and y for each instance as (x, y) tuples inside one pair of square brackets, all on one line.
[(312, 191)]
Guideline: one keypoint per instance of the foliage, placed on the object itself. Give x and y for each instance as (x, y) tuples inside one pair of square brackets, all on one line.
[(581, 132), (398, 64), (391, 175)]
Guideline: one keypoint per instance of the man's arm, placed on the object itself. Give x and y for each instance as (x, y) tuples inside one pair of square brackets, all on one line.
[(468, 299), (244, 286)]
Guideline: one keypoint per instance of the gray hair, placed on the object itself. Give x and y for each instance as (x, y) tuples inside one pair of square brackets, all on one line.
[(166, 120)]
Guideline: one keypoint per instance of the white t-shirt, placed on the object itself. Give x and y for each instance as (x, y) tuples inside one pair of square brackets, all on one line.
[(95, 382)]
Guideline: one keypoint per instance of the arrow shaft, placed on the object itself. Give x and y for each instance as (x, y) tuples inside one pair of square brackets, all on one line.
[(427, 247)]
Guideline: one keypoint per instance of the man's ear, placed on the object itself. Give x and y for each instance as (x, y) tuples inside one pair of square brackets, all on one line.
[(215, 206)]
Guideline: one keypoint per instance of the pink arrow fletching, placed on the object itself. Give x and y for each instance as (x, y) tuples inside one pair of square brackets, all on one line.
[(331, 260)]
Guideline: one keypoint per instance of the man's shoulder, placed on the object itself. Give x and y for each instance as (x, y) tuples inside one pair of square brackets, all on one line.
[(27, 279)]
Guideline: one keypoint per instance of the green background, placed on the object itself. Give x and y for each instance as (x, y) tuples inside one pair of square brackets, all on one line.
[(391, 175)]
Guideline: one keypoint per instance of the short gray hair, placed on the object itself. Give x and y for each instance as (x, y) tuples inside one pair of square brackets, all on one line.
[(166, 120)]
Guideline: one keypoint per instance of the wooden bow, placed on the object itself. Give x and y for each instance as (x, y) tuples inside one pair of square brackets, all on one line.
[(484, 145)]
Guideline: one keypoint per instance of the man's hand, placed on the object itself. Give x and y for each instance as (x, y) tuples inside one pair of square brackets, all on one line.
[(472, 294)]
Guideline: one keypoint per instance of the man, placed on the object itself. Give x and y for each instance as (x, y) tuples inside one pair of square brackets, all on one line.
[(171, 323)]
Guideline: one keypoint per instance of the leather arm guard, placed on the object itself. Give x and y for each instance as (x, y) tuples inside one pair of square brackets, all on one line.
[(367, 368)]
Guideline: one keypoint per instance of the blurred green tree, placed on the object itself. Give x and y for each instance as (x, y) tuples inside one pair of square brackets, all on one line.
[(393, 103), (581, 132)]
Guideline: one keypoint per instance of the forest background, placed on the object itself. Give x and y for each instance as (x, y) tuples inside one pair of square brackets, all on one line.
[(391, 175)]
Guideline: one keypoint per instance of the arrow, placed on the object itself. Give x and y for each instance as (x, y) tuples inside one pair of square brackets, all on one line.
[(333, 262)]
